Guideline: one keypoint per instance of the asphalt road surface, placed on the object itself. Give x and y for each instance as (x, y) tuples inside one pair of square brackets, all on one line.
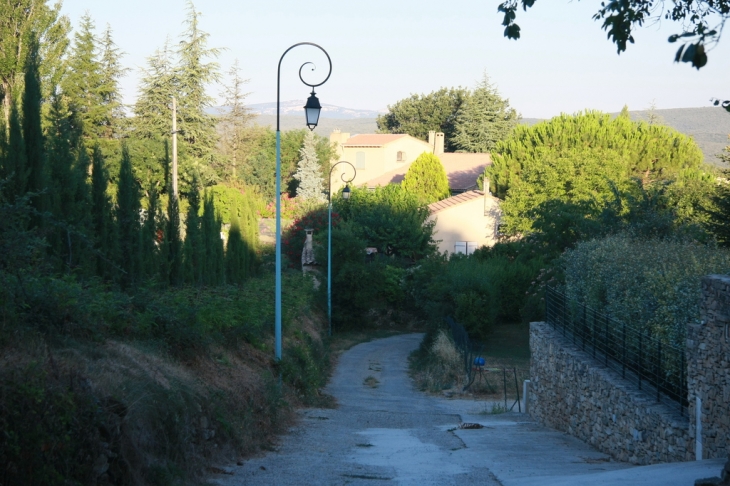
[(384, 431)]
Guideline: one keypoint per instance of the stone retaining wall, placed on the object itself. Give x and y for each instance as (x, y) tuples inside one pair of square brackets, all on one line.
[(708, 368), (572, 392)]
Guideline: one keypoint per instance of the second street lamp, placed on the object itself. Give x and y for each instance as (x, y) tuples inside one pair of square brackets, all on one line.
[(311, 111), (345, 195)]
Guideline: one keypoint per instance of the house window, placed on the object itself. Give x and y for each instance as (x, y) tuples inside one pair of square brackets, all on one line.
[(465, 247), (401, 156), (360, 160)]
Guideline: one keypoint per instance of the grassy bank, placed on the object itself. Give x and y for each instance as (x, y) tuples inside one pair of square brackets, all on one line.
[(100, 387)]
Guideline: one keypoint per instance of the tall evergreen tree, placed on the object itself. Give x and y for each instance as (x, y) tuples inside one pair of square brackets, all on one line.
[(17, 162), (194, 73), (111, 72), (234, 121), (484, 119), (150, 241), (101, 215), (235, 253), (82, 80), (128, 222), (32, 130), (193, 248), (426, 179), (152, 111), (213, 262), (309, 172)]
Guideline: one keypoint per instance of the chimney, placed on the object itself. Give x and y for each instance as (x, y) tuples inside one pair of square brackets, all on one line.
[(432, 140), (438, 147)]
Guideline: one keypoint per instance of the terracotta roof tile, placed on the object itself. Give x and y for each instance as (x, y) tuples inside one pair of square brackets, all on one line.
[(455, 201)]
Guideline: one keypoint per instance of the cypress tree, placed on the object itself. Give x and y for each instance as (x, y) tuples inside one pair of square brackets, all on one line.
[(101, 215), (213, 261), (193, 248), (235, 252), (127, 222), (426, 179), (32, 131), (150, 249)]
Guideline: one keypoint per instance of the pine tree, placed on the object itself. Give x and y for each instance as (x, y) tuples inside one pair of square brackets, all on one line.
[(81, 83), (111, 72), (193, 74), (234, 121), (128, 222), (426, 179), (484, 119), (309, 172), (152, 111)]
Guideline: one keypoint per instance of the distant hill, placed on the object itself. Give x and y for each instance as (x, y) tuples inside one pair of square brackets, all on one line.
[(709, 127), (325, 126), (296, 107)]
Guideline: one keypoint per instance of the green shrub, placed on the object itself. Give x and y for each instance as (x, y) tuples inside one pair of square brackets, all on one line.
[(650, 283)]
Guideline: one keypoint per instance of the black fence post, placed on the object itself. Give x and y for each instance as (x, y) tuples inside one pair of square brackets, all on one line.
[(659, 369), (641, 356), (623, 361)]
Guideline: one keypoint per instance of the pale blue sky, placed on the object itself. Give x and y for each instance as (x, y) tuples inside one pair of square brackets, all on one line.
[(384, 50)]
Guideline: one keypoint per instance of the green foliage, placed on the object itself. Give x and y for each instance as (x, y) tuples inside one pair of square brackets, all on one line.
[(293, 237), (584, 159), (259, 169), (701, 23), (426, 179), (389, 219), (477, 291), (128, 223), (650, 283), (51, 426), (484, 119), (419, 114)]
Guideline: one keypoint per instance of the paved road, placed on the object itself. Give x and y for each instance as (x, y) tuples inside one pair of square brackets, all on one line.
[(389, 432)]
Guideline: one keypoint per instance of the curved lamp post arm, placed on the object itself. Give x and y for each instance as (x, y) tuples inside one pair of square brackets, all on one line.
[(342, 176), (278, 73)]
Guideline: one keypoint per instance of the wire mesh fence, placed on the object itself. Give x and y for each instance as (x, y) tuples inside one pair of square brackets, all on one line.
[(654, 365), (482, 377)]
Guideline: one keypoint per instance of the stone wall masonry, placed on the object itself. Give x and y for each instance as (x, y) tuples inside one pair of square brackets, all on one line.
[(708, 367), (572, 392)]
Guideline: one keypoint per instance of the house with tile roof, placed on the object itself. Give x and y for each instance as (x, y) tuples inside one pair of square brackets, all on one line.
[(382, 159), (465, 222)]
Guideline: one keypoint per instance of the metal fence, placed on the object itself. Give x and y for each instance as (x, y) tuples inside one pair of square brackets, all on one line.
[(655, 366)]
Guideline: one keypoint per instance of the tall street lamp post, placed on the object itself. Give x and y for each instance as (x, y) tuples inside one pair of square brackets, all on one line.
[(345, 195), (311, 111)]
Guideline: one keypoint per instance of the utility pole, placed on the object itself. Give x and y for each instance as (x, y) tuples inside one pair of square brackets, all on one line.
[(174, 148)]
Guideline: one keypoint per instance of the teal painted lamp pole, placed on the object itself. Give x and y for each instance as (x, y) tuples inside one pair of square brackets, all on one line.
[(311, 111), (345, 195)]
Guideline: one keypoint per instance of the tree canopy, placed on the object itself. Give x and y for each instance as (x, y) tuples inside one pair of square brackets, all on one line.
[(419, 114), (471, 120), (485, 119), (701, 23), (585, 159), (426, 179)]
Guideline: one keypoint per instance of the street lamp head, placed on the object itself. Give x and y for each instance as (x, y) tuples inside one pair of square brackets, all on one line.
[(311, 110), (346, 192)]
